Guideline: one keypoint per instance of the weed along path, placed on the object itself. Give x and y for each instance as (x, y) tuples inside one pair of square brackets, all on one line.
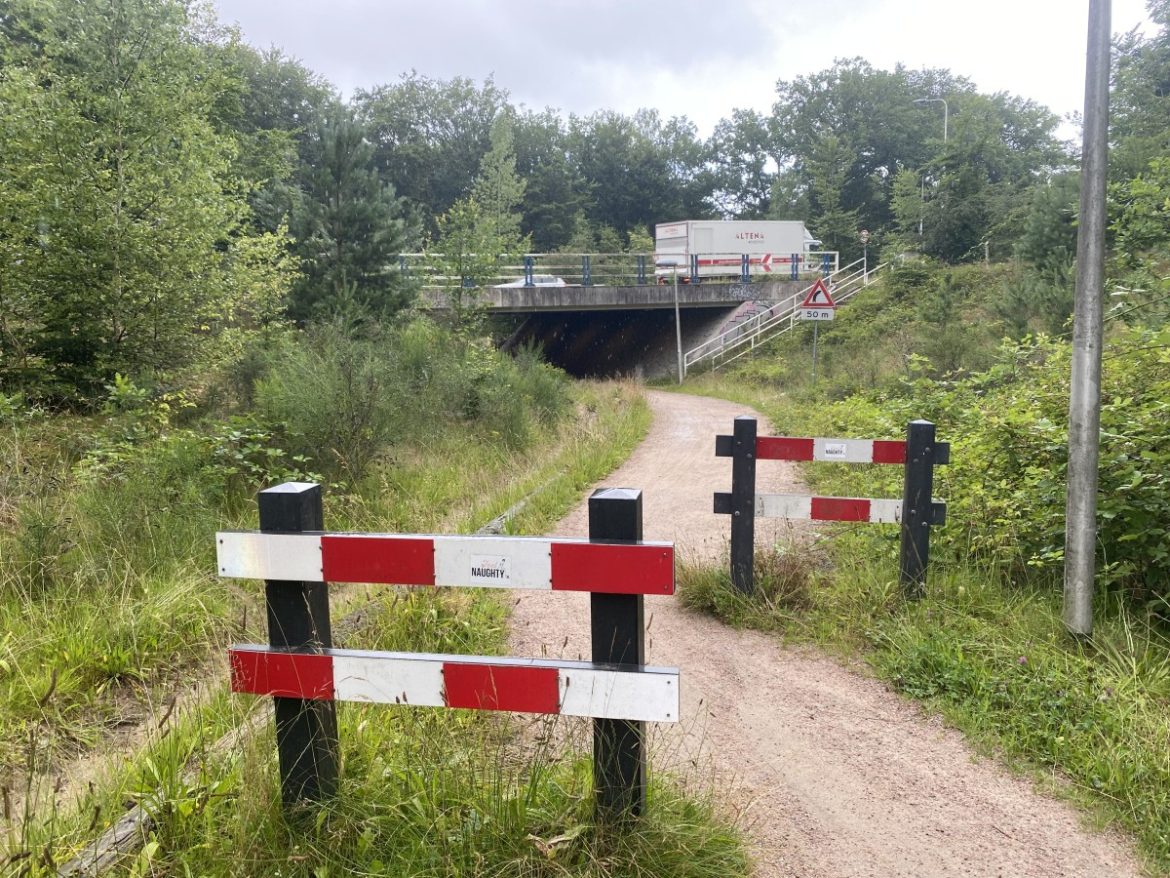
[(833, 775)]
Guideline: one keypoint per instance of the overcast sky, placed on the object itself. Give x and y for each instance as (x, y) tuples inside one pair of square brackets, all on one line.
[(698, 58)]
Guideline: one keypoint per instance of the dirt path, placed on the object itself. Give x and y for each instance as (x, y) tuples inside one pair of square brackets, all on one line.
[(834, 774)]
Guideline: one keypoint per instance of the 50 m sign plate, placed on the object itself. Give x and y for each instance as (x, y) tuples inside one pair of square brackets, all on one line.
[(816, 313)]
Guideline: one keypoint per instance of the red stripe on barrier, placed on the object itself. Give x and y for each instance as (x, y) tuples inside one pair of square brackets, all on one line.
[(839, 509), (889, 451), (783, 448), (501, 687), (284, 674), (612, 568), (384, 560)]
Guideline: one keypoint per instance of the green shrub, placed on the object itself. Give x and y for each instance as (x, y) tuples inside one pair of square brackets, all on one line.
[(545, 387), (337, 397), (344, 400), (1005, 486)]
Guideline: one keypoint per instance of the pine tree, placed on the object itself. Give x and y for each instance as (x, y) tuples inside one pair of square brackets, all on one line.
[(349, 228), (499, 190)]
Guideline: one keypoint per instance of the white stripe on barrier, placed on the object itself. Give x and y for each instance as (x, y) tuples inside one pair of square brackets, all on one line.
[(493, 562), (783, 506), (620, 695), (885, 511), (843, 450), (294, 557), (387, 679)]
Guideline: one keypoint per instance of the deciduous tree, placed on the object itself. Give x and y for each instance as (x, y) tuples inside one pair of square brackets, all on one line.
[(142, 246)]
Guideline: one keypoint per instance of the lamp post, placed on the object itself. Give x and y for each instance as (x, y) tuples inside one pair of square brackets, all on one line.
[(946, 111), (865, 255), (946, 119), (672, 264)]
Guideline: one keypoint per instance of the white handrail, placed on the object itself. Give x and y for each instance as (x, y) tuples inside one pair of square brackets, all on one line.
[(846, 282), (778, 308)]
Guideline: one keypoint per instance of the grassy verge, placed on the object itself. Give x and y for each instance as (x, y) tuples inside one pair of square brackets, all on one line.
[(1088, 720), (107, 588), (424, 792)]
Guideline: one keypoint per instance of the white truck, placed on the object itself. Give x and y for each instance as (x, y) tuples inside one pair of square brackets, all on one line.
[(716, 249)]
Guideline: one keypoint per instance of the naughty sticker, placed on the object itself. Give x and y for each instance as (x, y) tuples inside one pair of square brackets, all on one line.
[(835, 450), (490, 570)]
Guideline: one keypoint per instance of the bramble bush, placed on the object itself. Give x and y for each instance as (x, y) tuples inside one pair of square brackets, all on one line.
[(1008, 429)]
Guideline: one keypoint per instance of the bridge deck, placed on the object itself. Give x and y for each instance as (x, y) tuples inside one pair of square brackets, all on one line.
[(518, 300)]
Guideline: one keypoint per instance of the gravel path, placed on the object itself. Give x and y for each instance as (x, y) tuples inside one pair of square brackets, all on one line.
[(832, 774)]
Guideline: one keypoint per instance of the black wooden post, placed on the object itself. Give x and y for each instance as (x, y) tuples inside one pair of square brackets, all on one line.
[(298, 618), (917, 507), (743, 504), (618, 636)]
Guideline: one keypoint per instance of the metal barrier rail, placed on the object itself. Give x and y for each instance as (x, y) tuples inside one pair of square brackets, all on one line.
[(622, 269)]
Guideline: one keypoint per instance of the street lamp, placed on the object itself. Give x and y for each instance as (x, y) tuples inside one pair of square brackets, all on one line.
[(865, 255), (946, 119), (673, 264), (946, 111)]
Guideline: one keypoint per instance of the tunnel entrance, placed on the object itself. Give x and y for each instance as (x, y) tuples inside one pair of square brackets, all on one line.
[(608, 344)]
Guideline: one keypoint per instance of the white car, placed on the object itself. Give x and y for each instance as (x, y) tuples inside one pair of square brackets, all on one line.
[(538, 280)]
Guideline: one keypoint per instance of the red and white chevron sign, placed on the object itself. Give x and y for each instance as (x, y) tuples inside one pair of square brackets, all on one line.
[(491, 562), (478, 683)]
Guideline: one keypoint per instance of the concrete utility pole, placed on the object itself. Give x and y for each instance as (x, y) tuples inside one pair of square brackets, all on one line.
[(1084, 409)]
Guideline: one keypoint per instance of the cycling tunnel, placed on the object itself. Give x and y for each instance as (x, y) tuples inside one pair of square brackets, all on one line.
[(608, 344)]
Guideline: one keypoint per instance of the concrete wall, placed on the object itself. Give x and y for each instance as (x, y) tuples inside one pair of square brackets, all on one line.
[(598, 298)]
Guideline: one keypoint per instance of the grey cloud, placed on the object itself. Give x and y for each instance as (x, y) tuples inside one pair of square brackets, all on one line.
[(544, 52)]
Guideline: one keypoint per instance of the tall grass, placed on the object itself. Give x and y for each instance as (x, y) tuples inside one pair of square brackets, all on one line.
[(433, 793), (107, 586), (424, 792)]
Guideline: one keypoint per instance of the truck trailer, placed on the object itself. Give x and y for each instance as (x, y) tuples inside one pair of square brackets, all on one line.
[(699, 249)]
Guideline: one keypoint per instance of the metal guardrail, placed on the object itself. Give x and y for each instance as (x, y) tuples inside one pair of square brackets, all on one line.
[(777, 319), (623, 269)]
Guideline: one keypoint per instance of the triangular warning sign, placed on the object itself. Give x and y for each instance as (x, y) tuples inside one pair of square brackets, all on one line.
[(818, 296)]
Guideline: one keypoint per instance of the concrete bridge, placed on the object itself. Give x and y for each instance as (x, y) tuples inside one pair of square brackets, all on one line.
[(606, 331), (534, 299)]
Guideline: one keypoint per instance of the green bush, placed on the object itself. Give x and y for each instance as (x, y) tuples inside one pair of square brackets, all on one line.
[(344, 400), (337, 396), (1008, 429)]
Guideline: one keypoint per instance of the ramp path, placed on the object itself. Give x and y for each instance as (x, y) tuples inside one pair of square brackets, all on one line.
[(832, 774)]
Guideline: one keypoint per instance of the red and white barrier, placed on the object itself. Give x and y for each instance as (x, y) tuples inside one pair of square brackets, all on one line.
[(829, 508), (302, 672), (491, 562), (840, 450), (916, 511), (524, 685)]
